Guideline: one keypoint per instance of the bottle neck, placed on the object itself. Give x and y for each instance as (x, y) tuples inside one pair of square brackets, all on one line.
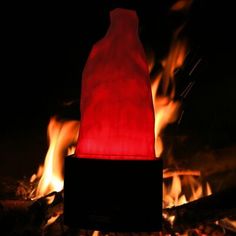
[(124, 19)]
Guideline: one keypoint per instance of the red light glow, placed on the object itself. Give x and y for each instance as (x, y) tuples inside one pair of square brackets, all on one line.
[(117, 115)]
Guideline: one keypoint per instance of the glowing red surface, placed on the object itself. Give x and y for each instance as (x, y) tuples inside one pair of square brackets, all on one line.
[(117, 117)]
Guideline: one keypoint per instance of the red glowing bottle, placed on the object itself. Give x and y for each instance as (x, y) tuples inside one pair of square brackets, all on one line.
[(117, 117)]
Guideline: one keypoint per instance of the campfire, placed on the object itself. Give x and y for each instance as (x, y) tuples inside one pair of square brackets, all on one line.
[(191, 203)]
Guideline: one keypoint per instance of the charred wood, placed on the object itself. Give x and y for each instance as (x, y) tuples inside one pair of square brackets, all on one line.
[(204, 210), (27, 217), (208, 161)]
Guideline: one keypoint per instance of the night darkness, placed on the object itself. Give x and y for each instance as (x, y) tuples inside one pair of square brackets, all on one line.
[(44, 51)]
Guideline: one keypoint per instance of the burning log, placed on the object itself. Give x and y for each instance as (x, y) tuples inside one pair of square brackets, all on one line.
[(204, 210), (17, 216), (168, 173), (21, 216)]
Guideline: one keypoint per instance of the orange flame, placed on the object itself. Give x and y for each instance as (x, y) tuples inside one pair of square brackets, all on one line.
[(163, 91), (181, 5), (182, 189), (62, 136)]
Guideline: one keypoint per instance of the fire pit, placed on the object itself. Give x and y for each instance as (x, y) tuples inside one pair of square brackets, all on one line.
[(196, 178)]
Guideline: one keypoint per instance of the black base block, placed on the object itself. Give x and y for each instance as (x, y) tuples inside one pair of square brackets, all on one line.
[(110, 195)]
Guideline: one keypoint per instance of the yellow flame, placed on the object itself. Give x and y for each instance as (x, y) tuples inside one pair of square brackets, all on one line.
[(163, 90), (51, 221), (62, 136), (183, 189)]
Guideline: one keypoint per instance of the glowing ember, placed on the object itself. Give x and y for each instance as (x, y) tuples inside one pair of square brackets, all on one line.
[(181, 5)]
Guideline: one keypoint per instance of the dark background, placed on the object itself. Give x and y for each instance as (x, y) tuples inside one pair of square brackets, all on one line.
[(44, 49)]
